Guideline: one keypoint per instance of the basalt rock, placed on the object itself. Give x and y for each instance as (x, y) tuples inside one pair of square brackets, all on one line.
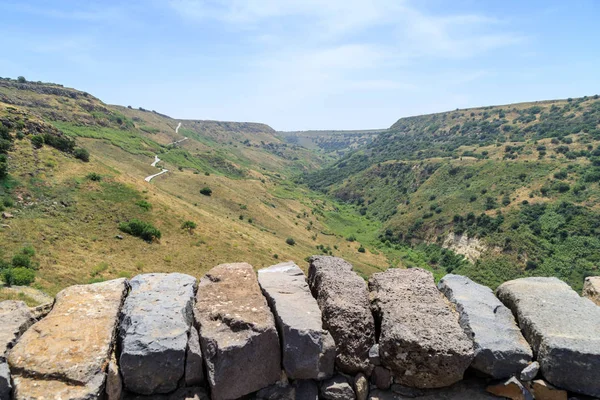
[(344, 301), (500, 348), (562, 328), (239, 340), (65, 355), (420, 341), (308, 350), (154, 329)]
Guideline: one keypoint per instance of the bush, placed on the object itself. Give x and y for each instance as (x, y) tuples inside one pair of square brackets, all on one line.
[(61, 143), (18, 276), (3, 166), (28, 251), (22, 260), (92, 176), (290, 241), (140, 229), (82, 154), (37, 141), (206, 191), (144, 204), (351, 238), (21, 79), (361, 249)]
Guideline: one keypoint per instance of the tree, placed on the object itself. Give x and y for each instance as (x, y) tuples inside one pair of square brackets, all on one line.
[(21, 79), (290, 241), (189, 225), (361, 249), (206, 191), (18, 276)]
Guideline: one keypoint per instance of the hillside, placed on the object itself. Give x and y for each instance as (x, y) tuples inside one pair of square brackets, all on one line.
[(522, 180), (63, 214), (333, 143)]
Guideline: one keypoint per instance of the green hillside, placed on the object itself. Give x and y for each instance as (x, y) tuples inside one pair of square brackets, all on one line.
[(523, 179)]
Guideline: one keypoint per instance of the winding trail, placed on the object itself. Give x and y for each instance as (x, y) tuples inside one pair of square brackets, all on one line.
[(157, 160)]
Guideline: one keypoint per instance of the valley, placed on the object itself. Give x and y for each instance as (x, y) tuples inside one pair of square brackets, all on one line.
[(520, 181)]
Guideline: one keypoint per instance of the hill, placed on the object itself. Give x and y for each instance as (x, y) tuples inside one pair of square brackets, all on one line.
[(515, 187), (63, 214), (333, 143)]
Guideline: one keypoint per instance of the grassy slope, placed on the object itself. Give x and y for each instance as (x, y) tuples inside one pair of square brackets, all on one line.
[(426, 170), (72, 221)]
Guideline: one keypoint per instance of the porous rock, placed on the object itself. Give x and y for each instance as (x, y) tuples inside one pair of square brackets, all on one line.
[(500, 348), (591, 289), (238, 336), (308, 350), (337, 388), (420, 341), (562, 329), (381, 377), (153, 333), (281, 390), (114, 383), (344, 301), (65, 355)]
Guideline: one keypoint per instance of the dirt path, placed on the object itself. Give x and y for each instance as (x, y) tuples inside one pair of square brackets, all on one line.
[(157, 160)]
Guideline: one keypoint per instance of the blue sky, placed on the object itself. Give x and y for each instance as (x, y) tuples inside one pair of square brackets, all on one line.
[(306, 64)]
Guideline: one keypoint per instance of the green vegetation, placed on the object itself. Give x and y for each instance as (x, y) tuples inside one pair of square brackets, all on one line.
[(189, 226), (141, 229), (290, 241), (20, 271), (206, 191)]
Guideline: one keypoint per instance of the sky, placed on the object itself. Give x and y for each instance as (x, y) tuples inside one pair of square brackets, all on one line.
[(306, 64)]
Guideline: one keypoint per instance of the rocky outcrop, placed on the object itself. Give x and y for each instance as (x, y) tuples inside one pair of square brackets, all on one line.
[(500, 348), (562, 329), (239, 340), (343, 299), (420, 339), (194, 365), (153, 334), (591, 289), (65, 355), (308, 350)]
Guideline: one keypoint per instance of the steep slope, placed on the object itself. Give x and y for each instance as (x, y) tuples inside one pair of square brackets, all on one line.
[(68, 211), (521, 179)]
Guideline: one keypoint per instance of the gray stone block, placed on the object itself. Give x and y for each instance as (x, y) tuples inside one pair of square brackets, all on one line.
[(238, 336), (500, 349), (343, 298), (562, 328), (420, 339), (153, 333), (308, 350)]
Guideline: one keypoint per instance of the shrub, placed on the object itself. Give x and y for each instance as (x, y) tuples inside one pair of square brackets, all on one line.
[(361, 249), (82, 154), (37, 141), (206, 191), (28, 251), (21, 79), (290, 241), (92, 176), (140, 229), (18, 276), (3, 166), (351, 238), (144, 204), (22, 260), (8, 202), (490, 203)]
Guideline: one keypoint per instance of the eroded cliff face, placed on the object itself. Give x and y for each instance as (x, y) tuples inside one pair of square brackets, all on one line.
[(281, 335)]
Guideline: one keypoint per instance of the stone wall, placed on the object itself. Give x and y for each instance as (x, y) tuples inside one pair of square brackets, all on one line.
[(278, 334)]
